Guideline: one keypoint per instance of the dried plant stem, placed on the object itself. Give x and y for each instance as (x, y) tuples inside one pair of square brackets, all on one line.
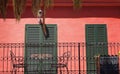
[(36, 5), (18, 6), (77, 4), (48, 3), (3, 8), (44, 25)]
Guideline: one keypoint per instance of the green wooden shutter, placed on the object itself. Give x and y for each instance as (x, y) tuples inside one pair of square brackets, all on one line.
[(96, 44), (33, 34), (36, 43), (50, 48)]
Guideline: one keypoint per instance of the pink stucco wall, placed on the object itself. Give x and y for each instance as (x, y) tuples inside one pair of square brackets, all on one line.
[(70, 22)]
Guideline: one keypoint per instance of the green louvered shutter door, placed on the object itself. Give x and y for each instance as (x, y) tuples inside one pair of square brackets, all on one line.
[(96, 44), (36, 43), (50, 48), (33, 34)]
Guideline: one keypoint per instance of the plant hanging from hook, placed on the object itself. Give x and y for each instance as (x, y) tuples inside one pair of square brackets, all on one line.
[(3, 8), (77, 4), (18, 7), (36, 5)]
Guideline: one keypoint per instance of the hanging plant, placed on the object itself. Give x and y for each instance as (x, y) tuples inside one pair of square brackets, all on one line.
[(48, 3), (77, 4), (36, 5), (18, 6), (3, 8)]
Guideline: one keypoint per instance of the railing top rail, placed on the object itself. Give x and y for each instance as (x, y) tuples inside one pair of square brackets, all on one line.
[(63, 44)]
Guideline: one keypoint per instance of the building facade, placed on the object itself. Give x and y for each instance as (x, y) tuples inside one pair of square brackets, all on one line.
[(71, 23)]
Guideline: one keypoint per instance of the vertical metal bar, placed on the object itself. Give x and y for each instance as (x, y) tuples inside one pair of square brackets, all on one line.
[(3, 56), (70, 68), (79, 56), (64, 47), (67, 55), (10, 59), (74, 57), (7, 55), (83, 57)]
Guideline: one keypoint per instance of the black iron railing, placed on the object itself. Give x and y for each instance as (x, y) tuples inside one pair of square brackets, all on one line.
[(52, 58)]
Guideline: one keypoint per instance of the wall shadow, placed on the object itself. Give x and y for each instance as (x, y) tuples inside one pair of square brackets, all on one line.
[(69, 12)]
